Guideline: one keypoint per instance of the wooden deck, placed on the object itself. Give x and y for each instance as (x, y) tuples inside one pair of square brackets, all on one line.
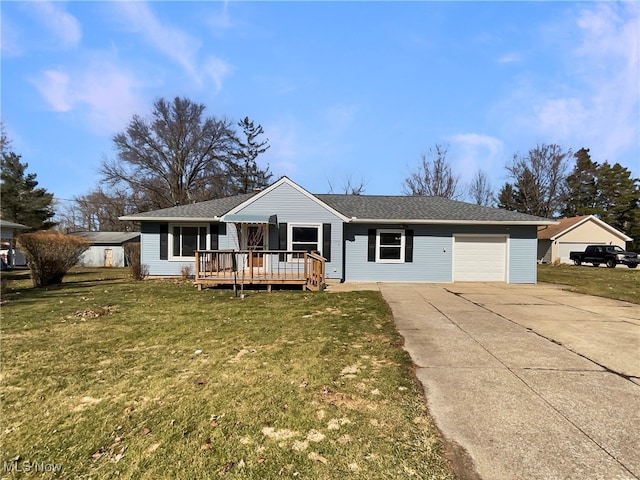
[(259, 267)]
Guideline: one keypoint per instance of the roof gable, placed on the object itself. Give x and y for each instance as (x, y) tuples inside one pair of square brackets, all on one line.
[(565, 225), (286, 181)]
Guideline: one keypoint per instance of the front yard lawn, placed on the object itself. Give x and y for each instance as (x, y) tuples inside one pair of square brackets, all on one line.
[(620, 283), (104, 377)]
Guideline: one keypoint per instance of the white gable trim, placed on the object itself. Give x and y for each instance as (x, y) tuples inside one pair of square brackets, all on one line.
[(286, 181), (599, 222)]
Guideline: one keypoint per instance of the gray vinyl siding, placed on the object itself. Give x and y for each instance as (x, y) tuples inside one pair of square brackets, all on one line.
[(291, 206), (150, 250), (432, 253), (523, 264), (432, 246)]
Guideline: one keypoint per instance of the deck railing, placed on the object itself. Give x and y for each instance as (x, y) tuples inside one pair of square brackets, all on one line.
[(268, 267)]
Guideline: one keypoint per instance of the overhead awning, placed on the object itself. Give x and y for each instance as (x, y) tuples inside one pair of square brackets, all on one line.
[(250, 218)]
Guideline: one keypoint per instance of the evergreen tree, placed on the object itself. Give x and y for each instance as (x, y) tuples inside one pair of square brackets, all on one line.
[(618, 197), (581, 186), (21, 202), (244, 174)]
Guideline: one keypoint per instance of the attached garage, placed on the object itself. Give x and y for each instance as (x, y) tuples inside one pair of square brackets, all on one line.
[(480, 258)]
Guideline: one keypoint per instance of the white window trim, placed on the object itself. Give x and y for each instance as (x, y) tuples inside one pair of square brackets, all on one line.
[(174, 258), (401, 231), (290, 227), (245, 236)]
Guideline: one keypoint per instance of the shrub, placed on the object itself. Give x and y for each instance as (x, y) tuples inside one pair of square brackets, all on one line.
[(187, 272), (132, 254), (50, 255)]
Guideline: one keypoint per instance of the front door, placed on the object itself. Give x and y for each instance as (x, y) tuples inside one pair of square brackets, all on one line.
[(255, 239)]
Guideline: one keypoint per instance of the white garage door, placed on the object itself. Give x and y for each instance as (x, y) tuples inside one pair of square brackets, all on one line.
[(565, 248), (480, 259)]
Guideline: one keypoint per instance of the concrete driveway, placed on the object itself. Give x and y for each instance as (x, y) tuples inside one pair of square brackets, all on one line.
[(526, 382)]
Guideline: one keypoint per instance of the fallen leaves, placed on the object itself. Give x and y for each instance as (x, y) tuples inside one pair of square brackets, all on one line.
[(93, 312)]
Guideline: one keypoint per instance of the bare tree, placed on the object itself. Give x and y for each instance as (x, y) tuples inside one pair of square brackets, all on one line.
[(480, 190), (176, 157), (350, 186), (538, 181), (98, 211), (433, 177)]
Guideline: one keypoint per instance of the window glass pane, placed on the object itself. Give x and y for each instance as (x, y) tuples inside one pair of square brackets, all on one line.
[(189, 241), (305, 247), (390, 238), (389, 253), (305, 234), (176, 241)]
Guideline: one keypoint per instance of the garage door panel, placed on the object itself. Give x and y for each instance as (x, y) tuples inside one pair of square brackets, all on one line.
[(480, 259), (565, 248)]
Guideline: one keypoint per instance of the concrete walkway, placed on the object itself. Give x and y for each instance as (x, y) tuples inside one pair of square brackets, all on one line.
[(526, 382)]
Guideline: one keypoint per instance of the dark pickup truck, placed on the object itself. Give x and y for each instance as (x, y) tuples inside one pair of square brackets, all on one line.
[(610, 255)]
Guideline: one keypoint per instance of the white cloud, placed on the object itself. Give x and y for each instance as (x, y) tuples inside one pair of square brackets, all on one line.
[(593, 101), (176, 44), (508, 58), (103, 93), (471, 152), (64, 26), (53, 85), (222, 20), (217, 70)]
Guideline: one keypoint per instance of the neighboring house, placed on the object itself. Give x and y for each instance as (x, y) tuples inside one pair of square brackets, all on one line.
[(107, 248), (555, 242), (10, 256), (362, 237)]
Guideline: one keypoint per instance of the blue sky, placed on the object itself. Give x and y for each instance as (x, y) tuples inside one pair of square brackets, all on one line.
[(343, 90)]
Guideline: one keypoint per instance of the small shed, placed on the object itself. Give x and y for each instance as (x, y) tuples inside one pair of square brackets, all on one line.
[(9, 256), (555, 242), (107, 248)]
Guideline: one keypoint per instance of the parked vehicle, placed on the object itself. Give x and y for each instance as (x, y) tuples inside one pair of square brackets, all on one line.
[(610, 255)]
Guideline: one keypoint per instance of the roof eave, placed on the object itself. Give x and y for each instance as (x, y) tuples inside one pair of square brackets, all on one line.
[(142, 218), (451, 222)]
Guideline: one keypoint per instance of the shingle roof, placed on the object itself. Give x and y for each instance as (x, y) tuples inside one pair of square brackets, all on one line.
[(358, 207), (374, 207), (11, 225), (108, 238), (563, 224), (210, 209)]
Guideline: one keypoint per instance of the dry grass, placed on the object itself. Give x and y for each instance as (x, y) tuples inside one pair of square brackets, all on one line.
[(620, 283), (106, 377)]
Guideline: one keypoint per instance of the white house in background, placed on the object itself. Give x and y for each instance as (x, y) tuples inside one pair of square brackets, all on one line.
[(11, 257), (107, 248), (574, 234)]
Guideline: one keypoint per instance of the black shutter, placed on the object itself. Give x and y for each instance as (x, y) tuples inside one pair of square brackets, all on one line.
[(408, 245), (282, 240), (214, 232), (371, 251), (164, 241), (326, 241)]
